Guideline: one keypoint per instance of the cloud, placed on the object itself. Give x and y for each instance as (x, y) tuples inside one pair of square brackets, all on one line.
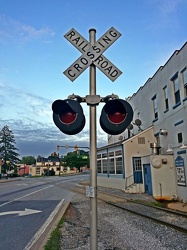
[(24, 111), (29, 116), (21, 103), (13, 30), (169, 6)]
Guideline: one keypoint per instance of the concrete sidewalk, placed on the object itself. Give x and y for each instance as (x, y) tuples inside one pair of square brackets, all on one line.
[(175, 205)]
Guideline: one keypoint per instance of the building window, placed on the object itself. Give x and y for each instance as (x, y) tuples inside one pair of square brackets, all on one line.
[(118, 152), (176, 89), (110, 163), (99, 156), (179, 135), (99, 166), (111, 166), (184, 76), (119, 165), (166, 97), (104, 166), (138, 164), (37, 170), (155, 108), (111, 154), (104, 155)]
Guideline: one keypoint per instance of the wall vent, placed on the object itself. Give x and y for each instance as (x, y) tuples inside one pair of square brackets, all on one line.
[(141, 140)]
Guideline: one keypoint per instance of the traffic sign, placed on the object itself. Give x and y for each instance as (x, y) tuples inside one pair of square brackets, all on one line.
[(92, 54), (107, 68)]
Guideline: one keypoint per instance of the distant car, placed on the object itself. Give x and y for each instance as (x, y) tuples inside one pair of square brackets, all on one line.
[(4, 176)]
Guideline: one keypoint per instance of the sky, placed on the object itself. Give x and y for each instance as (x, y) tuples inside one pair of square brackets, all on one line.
[(34, 54)]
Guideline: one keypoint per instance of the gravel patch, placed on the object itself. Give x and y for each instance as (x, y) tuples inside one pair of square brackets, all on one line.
[(117, 230)]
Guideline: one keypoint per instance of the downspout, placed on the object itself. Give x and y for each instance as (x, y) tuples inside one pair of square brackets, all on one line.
[(108, 171), (123, 164), (160, 190)]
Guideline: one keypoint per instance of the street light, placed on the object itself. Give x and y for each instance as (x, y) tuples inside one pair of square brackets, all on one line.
[(184, 145), (170, 148)]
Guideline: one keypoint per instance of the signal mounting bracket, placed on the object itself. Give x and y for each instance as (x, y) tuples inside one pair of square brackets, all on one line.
[(93, 100), (76, 98), (109, 97)]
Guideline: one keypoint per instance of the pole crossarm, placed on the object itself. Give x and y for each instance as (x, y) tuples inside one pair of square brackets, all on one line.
[(93, 99)]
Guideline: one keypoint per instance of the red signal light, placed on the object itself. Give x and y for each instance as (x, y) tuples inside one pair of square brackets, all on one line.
[(67, 117), (116, 114)]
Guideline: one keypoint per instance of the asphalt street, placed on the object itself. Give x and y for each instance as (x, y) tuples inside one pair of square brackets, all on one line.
[(29, 206)]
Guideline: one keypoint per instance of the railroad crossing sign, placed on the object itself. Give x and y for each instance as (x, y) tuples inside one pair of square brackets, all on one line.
[(92, 54)]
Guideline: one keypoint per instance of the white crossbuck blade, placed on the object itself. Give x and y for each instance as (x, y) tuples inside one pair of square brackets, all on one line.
[(92, 54)]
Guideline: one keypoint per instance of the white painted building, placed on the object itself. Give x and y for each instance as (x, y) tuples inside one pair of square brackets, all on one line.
[(154, 149)]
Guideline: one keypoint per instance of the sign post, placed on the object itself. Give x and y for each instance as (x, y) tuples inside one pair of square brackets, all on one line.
[(93, 154), (92, 57)]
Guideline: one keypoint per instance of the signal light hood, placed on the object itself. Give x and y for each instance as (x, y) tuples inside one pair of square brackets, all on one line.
[(119, 107), (63, 108)]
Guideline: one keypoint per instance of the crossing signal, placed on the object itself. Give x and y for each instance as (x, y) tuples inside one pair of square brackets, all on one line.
[(115, 117), (68, 116)]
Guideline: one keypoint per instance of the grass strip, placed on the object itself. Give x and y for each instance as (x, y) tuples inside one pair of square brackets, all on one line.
[(152, 203), (54, 242)]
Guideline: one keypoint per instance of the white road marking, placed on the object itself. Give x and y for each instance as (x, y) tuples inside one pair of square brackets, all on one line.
[(43, 227), (21, 213), (19, 198)]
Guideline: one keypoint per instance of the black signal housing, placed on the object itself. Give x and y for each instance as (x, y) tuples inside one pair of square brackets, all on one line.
[(115, 117), (68, 116)]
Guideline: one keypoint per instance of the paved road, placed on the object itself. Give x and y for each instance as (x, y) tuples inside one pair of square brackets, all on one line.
[(28, 206)]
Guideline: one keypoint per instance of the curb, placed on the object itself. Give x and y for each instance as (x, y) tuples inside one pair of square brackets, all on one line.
[(41, 242), (9, 180)]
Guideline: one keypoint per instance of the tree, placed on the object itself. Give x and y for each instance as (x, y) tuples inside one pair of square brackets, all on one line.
[(76, 159), (29, 160), (8, 150)]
